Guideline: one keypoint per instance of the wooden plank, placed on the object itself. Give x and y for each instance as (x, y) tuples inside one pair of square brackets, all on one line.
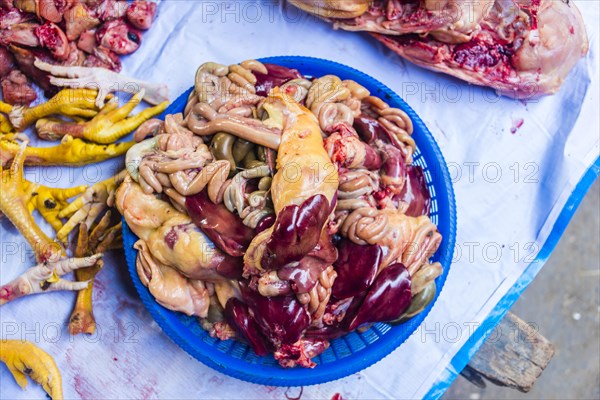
[(514, 355)]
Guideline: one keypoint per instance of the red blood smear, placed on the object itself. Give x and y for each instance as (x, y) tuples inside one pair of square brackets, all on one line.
[(171, 238), (518, 123)]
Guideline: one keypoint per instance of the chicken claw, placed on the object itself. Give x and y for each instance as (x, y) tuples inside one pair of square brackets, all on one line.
[(72, 102), (47, 200), (45, 277), (50, 201), (105, 80), (98, 240), (70, 152), (89, 205), (108, 126), (15, 196), (24, 359)]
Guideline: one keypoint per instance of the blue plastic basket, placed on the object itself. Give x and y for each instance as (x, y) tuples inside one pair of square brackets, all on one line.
[(354, 351)]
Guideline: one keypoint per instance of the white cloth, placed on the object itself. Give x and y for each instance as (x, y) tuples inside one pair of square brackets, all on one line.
[(510, 188)]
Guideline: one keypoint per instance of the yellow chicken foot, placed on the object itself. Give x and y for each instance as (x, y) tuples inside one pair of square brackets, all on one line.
[(89, 205), (15, 195), (101, 238), (50, 201), (45, 277), (82, 318), (70, 152), (108, 126), (24, 359), (72, 102)]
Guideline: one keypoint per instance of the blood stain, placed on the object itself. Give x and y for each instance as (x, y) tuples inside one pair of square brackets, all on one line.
[(517, 123)]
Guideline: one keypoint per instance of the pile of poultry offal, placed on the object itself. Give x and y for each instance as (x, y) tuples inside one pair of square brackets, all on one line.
[(74, 44), (281, 210), (521, 48), (84, 33)]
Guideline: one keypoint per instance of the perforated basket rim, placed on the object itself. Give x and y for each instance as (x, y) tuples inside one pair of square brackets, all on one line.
[(263, 370)]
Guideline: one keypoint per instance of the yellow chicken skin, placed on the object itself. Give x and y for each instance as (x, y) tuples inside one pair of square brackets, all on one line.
[(169, 287), (48, 201), (5, 125), (304, 169), (173, 239), (24, 359)]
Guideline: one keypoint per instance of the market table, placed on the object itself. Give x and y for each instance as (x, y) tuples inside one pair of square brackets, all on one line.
[(519, 170)]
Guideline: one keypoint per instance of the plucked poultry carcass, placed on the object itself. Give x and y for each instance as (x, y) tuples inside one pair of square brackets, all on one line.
[(522, 48)]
